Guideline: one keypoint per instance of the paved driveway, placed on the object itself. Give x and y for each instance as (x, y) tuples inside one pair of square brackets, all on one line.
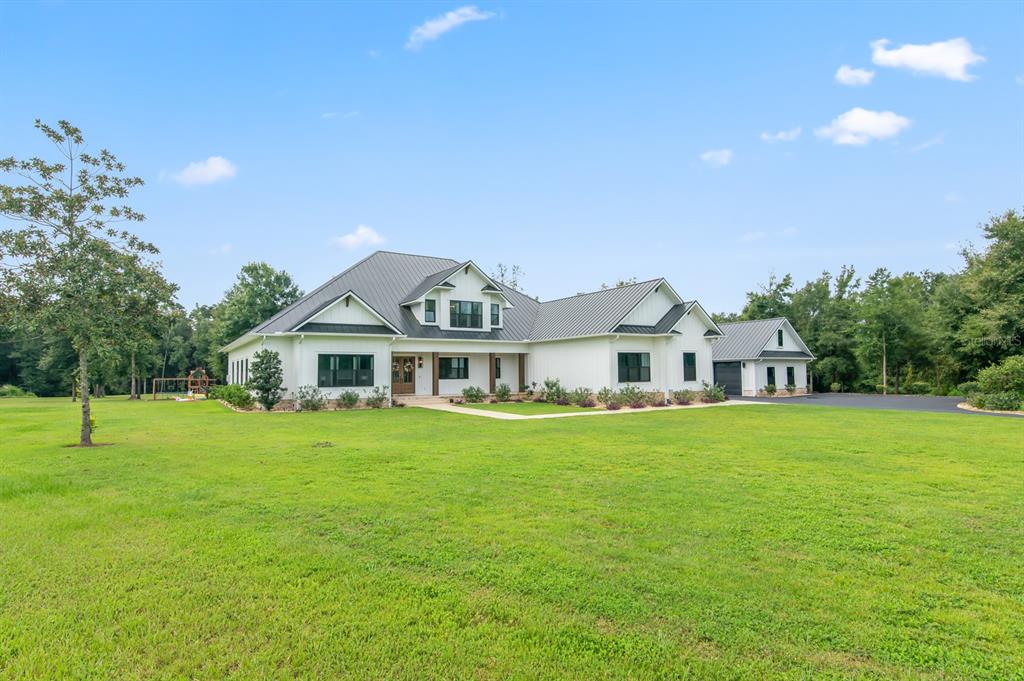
[(896, 402)]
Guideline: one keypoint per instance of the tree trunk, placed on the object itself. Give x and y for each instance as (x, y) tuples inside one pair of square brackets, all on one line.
[(83, 388), (885, 369), (135, 381)]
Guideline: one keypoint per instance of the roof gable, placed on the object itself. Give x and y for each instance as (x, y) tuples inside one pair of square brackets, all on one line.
[(747, 340)]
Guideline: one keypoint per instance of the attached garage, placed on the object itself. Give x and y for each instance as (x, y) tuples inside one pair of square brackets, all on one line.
[(729, 376), (751, 355)]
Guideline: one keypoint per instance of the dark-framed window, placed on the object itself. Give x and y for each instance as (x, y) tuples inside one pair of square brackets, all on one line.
[(780, 338), (495, 314), (453, 367), (689, 366), (634, 367), (246, 372), (466, 314), (497, 367), (344, 371), (430, 310), (790, 376), (771, 376)]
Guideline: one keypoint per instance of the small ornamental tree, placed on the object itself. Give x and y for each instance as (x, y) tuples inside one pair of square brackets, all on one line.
[(266, 378)]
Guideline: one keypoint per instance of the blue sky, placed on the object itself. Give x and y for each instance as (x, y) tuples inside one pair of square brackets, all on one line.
[(583, 142)]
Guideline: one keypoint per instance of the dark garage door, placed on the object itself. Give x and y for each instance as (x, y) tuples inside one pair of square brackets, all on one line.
[(727, 375)]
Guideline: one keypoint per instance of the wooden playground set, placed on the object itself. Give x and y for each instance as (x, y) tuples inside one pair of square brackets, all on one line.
[(195, 386)]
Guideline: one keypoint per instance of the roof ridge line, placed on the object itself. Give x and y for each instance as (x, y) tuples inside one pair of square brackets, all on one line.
[(601, 290)]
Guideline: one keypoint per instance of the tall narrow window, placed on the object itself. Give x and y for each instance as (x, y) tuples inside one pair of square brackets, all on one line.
[(634, 367), (430, 311), (246, 373), (771, 376), (453, 367), (495, 314), (780, 338), (497, 367), (466, 314), (689, 366), (790, 376)]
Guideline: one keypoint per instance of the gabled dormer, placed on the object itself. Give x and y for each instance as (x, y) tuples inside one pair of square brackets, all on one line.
[(347, 313), (461, 298)]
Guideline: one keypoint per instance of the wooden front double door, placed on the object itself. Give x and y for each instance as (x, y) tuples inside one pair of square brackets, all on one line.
[(403, 374)]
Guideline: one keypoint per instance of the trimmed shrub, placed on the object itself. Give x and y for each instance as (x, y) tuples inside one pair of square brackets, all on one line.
[(683, 397), (266, 378), (835, 387), (309, 398), (473, 394), (770, 389), (503, 393), (633, 396), (1004, 401), (348, 399), (713, 394), (918, 388), (968, 387), (553, 390), (1006, 377), (791, 388), (589, 402), (605, 394), (654, 399), (234, 394), (377, 397), (579, 395), (14, 391)]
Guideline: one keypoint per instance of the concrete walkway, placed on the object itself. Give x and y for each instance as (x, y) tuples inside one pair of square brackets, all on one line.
[(505, 416)]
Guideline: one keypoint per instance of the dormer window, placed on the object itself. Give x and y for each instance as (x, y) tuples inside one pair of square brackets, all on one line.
[(495, 314), (466, 314), (430, 311)]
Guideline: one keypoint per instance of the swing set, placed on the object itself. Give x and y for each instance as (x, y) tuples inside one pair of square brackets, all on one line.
[(195, 386)]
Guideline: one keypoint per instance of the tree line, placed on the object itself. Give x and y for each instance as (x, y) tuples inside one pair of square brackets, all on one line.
[(911, 332)]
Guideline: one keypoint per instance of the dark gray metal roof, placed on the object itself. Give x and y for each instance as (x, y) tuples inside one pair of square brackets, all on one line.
[(588, 314), (373, 329), (785, 354), (432, 281), (746, 340)]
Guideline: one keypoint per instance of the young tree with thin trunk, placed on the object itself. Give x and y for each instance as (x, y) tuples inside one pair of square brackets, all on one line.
[(66, 264)]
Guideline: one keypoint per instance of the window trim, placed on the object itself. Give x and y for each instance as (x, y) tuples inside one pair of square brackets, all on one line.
[(336, 382), (441, 361), (455, 313), (495, 315), (693, 366), (791, 371), (497, 368), (426, 311), (769, 376), (781, 336), (640, 367)]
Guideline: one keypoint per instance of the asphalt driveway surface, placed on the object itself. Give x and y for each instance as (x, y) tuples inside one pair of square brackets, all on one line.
[(929, 403)]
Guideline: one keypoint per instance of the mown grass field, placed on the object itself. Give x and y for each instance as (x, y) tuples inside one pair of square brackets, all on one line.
[(743, 542), (527, 408)]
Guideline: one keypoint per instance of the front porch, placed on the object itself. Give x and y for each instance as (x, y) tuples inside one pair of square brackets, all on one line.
[(417, 375)]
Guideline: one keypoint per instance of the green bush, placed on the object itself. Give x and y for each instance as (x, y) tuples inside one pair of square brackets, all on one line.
[(503, 393), (1004, 401), (968, 387), (348, 399), (1006, 377), (611, 399), (579, 396), (653, 398), (473, 394), (377, 397), (553, 391), (683, 397), (791, 388), (14, 391), (713, 393), (770, 389), (835, 387), (918, 388), (309, 398), (605, 394), (633, 396), (234, 394), (266, 378)]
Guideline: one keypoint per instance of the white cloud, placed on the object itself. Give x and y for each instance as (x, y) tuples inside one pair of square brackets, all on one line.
[(363, 236), (213, 169), (859, 126), (437, 27), (716, 158), (847, 75), (781, 136), (952, 197), (949, 58)]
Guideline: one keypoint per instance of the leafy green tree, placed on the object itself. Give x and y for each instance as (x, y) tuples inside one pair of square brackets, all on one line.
[(825, 314), (892, 329), (773, 300), (266, 378), (67, 263), (260, 292)]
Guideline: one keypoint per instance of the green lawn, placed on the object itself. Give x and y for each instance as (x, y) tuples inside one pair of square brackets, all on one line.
[(527, 408), (748, 542)]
